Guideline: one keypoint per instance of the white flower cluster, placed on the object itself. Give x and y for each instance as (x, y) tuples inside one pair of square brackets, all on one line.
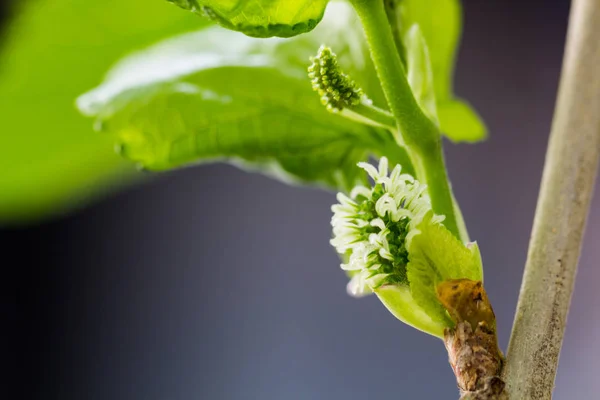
[(372, 226)]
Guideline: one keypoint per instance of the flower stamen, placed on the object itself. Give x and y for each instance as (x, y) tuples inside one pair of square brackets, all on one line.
[(372, 226)]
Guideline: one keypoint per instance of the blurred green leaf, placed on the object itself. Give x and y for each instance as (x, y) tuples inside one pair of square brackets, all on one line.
[(261, 18), (460, 123), (420, 76), (54, 50), (435, 256), (440, 22), (218, 95)]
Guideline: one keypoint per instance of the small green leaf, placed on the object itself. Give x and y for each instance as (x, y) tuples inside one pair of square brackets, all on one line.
[(400, 302), (216, 95), (261, 18), (460, 122), (435, 256), (440, 22), (420, 76)]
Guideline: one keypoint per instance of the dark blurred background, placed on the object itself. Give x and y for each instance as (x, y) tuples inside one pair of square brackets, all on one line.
[(211, 283)]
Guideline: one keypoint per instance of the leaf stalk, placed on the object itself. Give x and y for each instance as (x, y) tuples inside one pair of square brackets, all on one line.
[(371, 115)]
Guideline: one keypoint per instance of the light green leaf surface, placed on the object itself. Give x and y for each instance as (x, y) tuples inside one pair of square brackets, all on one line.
[(261, 18), (440, 22), (435, 255), (400, 302), (53, 50), (217, 95), (420, 76), (460, 122)]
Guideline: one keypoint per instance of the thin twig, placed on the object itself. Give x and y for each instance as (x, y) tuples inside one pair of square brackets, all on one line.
[(563, 205)]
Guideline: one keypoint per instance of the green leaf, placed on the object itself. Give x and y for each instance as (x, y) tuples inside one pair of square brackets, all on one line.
[(440, 22), (217, 95), (400, 302), (435, 256), (50, 52), (261, 18), (420, 76), (460, 122)]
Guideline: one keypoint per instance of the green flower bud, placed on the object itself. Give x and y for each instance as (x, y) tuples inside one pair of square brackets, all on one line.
[(336, 89)]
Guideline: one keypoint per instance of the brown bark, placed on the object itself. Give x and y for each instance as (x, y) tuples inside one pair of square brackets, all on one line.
[(476, 361), (472, 344)]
